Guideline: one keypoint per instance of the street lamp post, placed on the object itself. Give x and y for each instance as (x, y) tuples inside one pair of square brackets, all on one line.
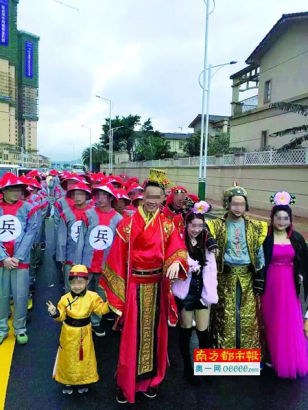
[(110, 132), (90, 135), (201, 192), (207, 117), (111, 147)]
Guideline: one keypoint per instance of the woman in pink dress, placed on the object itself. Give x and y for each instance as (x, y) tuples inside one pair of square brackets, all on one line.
[(286, 262)]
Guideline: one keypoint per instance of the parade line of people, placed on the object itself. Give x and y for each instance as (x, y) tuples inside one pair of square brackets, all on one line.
[(149, 257)]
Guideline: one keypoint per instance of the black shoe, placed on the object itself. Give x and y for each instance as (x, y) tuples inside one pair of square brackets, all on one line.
[(110, 316), (99, 330), (120, 398), (151, 393), (191, 378), (67, 389)]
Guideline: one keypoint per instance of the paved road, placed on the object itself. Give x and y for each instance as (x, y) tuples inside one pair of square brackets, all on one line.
[(32, 388)]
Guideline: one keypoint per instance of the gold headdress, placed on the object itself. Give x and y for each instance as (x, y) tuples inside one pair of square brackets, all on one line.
[(160, 176)]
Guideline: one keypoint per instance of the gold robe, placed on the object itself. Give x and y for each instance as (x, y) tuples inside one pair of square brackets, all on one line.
[(76, 362)]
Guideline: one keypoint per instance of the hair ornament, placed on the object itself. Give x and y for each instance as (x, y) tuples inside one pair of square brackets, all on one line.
[(282, 198), (201, 207)]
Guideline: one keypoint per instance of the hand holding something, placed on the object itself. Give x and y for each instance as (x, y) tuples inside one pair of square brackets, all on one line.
[(51, 308), (173, 270)]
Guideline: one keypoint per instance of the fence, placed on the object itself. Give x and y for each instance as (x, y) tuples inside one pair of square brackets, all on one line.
[(290, 157)]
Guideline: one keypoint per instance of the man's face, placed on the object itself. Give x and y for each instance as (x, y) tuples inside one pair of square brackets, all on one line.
[(237, 206), (103, 198), (179, 200), (79, 197), (119, 205), (12, 193), (152, 198)]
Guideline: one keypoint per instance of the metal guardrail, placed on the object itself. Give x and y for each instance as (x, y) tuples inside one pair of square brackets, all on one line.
[(290, 157), (246, 105)]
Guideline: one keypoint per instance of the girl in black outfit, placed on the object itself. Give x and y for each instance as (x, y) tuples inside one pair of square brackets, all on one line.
[(199, 290)]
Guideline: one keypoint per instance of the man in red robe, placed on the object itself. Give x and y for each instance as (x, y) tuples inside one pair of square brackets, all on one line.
[(146, 253)]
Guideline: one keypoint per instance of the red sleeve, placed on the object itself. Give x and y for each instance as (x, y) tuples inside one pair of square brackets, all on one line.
[(114, 276)]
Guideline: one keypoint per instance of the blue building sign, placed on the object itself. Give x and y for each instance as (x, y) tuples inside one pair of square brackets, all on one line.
[(28, 59), (4, 22)]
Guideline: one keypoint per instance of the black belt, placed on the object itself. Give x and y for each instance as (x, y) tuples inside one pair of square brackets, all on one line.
[(77, 322)]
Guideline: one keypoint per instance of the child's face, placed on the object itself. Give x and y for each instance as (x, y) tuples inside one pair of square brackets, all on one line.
[(78, 285)]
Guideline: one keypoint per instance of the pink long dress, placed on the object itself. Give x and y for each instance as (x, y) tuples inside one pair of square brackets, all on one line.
[(287, 344)]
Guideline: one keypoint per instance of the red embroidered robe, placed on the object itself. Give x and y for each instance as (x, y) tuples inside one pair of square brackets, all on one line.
[(136, 286)]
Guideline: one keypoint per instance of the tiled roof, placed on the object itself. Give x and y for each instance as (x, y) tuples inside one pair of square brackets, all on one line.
[(273, 34), (213, 119)]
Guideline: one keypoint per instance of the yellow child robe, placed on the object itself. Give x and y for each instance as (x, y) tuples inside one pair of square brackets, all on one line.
[(69, 368)]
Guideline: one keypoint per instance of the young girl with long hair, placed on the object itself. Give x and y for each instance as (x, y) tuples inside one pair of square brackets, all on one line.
[(195, 295)]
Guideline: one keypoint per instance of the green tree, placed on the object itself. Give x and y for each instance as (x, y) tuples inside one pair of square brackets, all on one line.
[(99, 156), (192, 145), (124, 137), (150, 144), (219, 144), (302, 129)]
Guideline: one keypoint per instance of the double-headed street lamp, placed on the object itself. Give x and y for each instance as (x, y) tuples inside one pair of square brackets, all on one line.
[(110, 132), (203, 158), (90, 136)]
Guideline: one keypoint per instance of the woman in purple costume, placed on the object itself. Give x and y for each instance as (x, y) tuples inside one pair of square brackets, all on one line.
[(286, 261)]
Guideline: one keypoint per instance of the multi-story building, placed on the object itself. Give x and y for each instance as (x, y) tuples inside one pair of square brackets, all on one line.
[(18, 86), (277, 71), (176, 141), (218, 124)]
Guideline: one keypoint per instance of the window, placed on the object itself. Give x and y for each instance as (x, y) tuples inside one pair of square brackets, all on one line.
[(267, 91), (264, 139)]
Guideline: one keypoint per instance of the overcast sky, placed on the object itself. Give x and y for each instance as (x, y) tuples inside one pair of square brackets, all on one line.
[(144, 55)]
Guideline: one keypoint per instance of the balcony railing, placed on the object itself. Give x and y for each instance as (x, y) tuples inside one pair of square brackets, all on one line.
[(247, 105)]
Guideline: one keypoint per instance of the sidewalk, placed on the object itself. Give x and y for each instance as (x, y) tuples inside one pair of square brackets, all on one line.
[(300, 224)]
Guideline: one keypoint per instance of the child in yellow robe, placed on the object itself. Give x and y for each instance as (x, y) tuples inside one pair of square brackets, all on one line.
[(76, 362)]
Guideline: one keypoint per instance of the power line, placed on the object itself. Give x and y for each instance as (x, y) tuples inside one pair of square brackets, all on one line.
[(66, 5)]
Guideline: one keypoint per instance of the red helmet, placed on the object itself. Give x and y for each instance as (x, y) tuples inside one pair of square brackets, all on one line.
[(32, 182), (53, 173), (80, 186), (34, 173), (122, 194), (137, 198), (72, 177), (109, 188), (10, 179), (134, 186), (113, 179), (194, 198)]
